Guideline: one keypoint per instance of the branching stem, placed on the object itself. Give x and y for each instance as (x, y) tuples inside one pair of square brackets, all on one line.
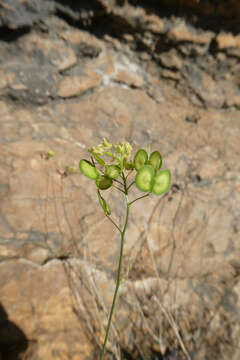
[(116, 187), (130, 185), (113, 222), (141, 197), (118, 281)]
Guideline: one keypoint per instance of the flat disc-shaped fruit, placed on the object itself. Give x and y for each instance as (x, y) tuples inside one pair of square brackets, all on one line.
[(88, 169), (161, 182), (140, 159), (113, 171), (155, 160), (103, 182), (144, 178)]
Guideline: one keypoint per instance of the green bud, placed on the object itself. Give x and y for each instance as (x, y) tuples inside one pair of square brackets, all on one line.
[(97, 158), (106, 144), (97, 150)]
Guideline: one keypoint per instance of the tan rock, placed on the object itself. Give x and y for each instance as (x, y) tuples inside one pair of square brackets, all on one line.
[(14, 82), (171, 59), (182, 33), (129, 78), (4, 109), (113, 41), (76, 85), (63, 57), (168, 74), (41, 309), (154, 23), (3, 80), (77, 37), (106, 64), (228, 40), (66, 60)]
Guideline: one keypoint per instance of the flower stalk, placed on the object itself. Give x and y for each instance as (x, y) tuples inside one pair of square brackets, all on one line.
[(149, 179)]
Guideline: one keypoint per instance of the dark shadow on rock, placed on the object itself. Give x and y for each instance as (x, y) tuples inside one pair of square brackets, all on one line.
[(11, 35), (13, 341)]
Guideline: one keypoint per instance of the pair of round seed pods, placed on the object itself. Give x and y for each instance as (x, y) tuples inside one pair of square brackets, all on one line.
[(149, 178)]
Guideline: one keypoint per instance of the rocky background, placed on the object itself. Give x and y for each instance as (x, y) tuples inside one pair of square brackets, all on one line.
[(164, 73)]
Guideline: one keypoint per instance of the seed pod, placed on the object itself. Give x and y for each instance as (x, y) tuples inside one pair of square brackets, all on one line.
[(103, 204), (155, 160), (103, 182), (88, 169), (112, 171), (161, 182), (144, 178), (140, 159)]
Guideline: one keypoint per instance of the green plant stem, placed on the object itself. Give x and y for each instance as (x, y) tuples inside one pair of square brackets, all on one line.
[(129, 174), (118, 182), (141, 197), (113, 222), (130, 185), (116, 187), (118, 281), (119, 271)]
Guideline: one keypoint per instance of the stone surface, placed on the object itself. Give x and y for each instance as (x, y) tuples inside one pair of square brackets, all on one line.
[(228, 41), (183, 33), (129, 78), (149, 80), (76, 85)]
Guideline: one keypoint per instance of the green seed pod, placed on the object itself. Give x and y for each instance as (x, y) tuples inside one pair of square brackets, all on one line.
[(112, 171), (103, 182), (144, 178), (140, 159), (103, 204), (161, 182), (155, 160), (88, 169)]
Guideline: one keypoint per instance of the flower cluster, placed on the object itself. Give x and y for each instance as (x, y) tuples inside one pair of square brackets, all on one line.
[(119, 153), (149, 178)]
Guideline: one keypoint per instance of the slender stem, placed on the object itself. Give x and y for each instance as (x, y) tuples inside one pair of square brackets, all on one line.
[(119, 189), (125, 184), (129, 173), (141, 197), (119, 271), (112, 221), (118, 182), (130, 185), (93, 161)]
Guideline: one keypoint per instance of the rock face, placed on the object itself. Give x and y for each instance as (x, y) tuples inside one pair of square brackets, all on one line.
[(68, 79)]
